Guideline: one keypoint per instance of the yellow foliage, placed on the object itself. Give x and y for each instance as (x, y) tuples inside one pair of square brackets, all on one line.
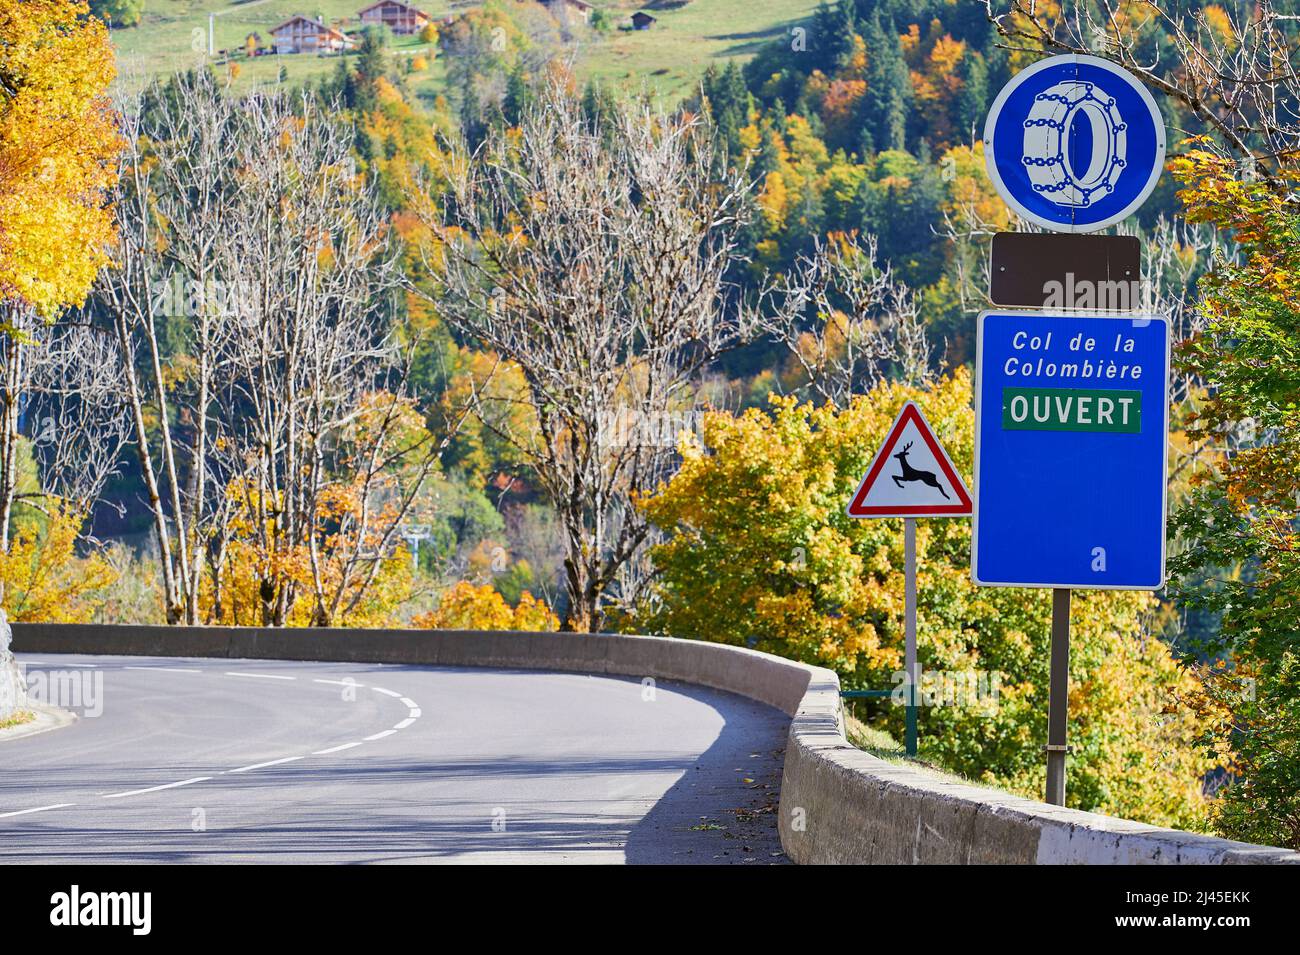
[(470, 606), (773, 200), (269, 562), (251, 567), (1218, 21), (1025, 51), (760, 553), (43, 579), (58, 140), (935, 78)]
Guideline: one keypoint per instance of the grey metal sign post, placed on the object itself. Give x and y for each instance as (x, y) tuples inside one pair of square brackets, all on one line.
[(1073, 143), (1058, 697), (909, 630), (923, 483)]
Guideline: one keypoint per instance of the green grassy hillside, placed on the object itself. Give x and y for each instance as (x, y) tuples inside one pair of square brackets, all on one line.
[(675, 51), (174, 35), (667, 58)]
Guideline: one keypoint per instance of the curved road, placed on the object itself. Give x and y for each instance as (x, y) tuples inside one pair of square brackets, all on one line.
[(176, 760)]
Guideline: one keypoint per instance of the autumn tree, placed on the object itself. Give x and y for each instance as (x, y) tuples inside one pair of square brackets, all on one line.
[(254, 289), (848, 323), (807, 582), (118, 13), (594, 257), (1238, 530), (1229, 73), (469, 606), (58, 141)]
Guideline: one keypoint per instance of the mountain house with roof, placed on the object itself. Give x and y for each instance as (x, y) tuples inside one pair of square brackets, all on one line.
[(301, 34), (401, 18)]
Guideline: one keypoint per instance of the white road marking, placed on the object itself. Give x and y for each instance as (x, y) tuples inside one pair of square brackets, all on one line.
[(260, 676), (271, 762), (334, 749), (23, 812), (409, 703), (154, 789)]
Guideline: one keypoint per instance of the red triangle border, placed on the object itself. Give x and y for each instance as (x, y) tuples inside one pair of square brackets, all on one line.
[(963, 508)]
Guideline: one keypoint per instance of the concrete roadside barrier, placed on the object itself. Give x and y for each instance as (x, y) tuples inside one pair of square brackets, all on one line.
[(13, 688), (838, 804)]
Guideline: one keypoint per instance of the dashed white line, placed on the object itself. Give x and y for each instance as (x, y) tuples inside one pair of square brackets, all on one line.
[(406, 701), (23, 812), (154, 789), (260, 676), (335, 749), (270, 762)]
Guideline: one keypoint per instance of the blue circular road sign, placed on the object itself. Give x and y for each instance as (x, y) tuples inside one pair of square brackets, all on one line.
[(1074, 143)]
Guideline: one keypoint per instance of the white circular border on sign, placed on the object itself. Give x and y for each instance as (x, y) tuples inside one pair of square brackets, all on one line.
[(1014, 84)]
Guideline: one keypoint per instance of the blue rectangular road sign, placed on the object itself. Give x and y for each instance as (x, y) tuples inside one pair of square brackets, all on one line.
[(1071, 436)]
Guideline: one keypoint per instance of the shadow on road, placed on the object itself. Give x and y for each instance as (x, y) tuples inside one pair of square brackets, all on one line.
[(646, 794), (723, 809)]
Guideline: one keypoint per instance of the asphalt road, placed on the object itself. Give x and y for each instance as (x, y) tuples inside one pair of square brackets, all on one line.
[(176, 760)]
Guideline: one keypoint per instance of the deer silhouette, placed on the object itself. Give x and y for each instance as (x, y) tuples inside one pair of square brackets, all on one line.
[(912, 474)]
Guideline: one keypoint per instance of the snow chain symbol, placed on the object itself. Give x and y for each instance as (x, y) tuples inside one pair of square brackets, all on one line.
[(1047, 129)]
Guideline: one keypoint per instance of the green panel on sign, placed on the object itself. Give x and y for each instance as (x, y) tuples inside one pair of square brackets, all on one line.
[(1071, 409)]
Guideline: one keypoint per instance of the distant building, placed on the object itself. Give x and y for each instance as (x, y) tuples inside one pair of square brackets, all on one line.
[(642, 20), (301, 34), (397, 16)]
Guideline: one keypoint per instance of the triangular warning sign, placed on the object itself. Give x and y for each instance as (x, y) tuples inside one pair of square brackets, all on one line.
[(911, 475)]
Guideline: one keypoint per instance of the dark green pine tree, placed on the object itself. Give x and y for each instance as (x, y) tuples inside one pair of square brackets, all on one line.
[(769, 156), (883, 110), (780, 119), (472, 122), (518, 96), (846, 29), (371, 64), (900, 202), (728, 103), (999, 70), (973, 100), (832, 36)]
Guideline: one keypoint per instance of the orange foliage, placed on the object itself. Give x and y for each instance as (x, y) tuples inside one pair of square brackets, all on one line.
[(469, 606)]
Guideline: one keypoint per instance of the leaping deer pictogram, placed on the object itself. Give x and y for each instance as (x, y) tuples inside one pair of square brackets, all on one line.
[(912, 474)]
